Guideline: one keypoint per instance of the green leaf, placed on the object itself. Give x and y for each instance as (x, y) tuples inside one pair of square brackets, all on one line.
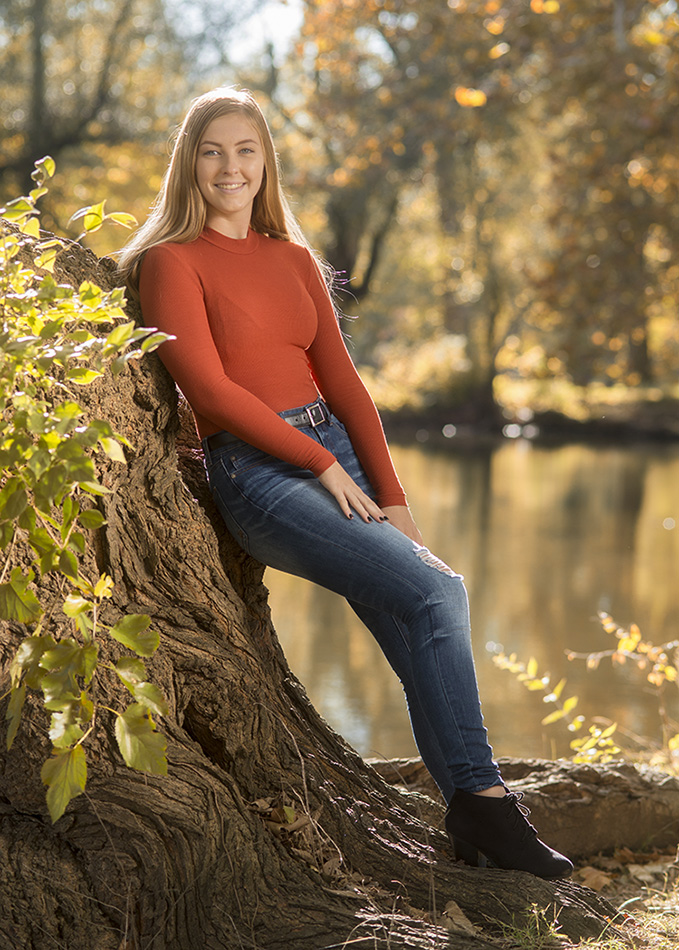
[(140, 745), (7, 531), (65, 775), (68, 564), (77, 542), (91, 519), (82, 376), (133, 674), (76, 604), (30, 227), (13, 499), (26, 660), (95, 488), (122, 217), (113, 449), (90, 657), (13, 714), (70, 659), (64, 729), (151, 696), (131, 671), (50, 486), (44, 168), (16, 601), (132, 632), (120, 334), (94, 217), (47, 259), (67, 660), (16, 505), (152, 342), (40, 541)]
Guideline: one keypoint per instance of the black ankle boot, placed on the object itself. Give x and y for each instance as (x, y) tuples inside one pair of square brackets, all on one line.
[(497, 829)]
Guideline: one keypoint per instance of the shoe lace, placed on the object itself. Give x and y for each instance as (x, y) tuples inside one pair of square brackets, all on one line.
[(519, 814)]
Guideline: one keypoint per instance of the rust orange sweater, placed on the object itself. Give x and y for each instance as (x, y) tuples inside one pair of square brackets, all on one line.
[(256, 333)]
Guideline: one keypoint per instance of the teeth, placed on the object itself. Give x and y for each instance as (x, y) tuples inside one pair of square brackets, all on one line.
[(232, 187)]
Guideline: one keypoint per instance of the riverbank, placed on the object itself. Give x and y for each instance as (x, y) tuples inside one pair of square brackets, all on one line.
[(614, 421)]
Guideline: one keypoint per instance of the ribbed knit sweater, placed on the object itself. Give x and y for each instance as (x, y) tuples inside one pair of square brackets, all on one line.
[(256, 333)]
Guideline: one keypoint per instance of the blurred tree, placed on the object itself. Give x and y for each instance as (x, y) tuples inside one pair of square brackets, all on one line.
[(76, 73), (98, 84), (553, 164), (390, 90), (612, 90)]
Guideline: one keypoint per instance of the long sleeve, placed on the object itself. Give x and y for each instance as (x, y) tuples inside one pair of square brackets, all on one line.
[(348, 398), (172, 299)]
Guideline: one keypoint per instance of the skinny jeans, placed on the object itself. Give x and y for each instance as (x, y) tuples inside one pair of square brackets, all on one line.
[(414, 605)]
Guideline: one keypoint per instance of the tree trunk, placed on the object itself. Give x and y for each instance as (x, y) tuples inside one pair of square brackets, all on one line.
[(198, 859), (571, 804)]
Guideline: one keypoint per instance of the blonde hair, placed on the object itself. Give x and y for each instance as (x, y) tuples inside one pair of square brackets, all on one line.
[(178, 214)]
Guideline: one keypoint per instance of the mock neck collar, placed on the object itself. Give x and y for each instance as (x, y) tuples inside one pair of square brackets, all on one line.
[(246, 245)]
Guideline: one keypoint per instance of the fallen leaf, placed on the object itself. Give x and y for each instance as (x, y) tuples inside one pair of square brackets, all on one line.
[(594, 878), (455, 919), (331, 868)]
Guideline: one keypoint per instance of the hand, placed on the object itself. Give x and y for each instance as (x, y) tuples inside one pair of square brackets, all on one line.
[(348, 494), (401, 518)]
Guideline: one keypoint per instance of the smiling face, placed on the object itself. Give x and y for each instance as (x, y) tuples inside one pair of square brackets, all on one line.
[(229, 173)]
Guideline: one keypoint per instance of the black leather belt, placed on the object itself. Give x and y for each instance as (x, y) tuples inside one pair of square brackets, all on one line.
[(309, 416)]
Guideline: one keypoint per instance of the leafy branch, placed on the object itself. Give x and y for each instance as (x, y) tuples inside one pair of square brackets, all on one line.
[(53, 338), (657, 661)]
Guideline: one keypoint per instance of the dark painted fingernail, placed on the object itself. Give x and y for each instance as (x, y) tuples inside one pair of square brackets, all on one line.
[(384, 518), (369, 518), (350, 516)]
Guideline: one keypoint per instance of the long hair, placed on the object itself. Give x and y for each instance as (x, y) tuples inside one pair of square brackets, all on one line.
[(179, 212)]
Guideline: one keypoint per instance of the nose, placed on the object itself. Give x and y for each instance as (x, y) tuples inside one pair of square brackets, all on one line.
[(230, 164)]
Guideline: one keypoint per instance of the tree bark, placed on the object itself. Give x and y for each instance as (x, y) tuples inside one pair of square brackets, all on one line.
[(571, 804), (198, 859)]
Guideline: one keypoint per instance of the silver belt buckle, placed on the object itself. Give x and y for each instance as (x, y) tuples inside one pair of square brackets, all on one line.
[(315, 414)]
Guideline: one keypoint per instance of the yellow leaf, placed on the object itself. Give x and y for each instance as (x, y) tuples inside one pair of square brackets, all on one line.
[(535, 684), (500, 49), (94, 217), (470, 98), (532, 667), (558, 689), (30, 227), (46, 259), (570, 704), (553, 717), (104, 586)]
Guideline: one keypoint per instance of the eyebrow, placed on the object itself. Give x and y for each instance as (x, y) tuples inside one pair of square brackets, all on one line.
[(219, 144)]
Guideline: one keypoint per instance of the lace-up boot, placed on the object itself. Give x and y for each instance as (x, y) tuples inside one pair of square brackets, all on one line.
[(485, 830)]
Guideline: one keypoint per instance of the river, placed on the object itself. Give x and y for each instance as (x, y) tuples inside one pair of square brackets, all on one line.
[(546, 537)]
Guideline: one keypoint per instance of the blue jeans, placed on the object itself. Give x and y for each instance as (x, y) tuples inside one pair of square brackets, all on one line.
[(414, 605)]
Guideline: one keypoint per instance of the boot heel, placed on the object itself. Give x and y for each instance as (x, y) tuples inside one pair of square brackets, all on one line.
[(468, 853)]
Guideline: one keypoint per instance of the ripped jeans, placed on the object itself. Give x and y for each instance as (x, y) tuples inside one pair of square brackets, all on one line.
[(414, 605)]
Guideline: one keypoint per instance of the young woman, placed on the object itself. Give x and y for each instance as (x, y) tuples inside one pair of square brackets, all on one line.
[(295, 451)]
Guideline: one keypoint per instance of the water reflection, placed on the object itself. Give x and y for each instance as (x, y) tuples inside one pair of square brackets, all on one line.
[(545, 537)]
